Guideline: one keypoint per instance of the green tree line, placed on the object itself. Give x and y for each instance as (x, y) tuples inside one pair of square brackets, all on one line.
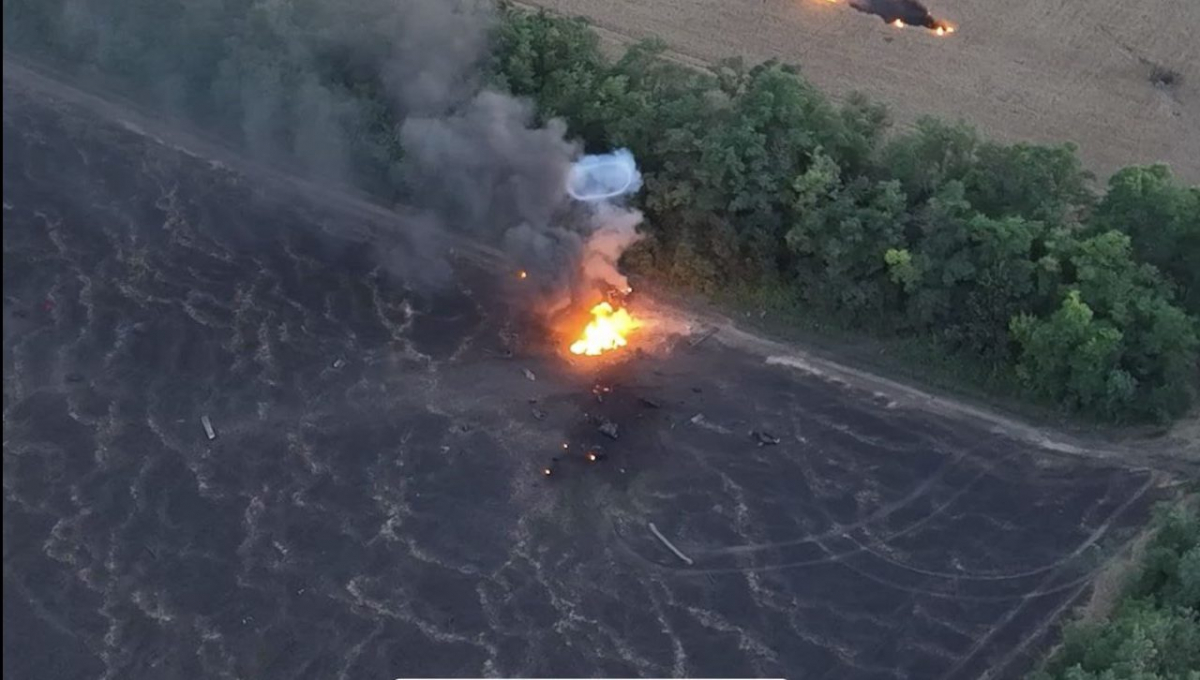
[(1002, 256), (1154, 632)]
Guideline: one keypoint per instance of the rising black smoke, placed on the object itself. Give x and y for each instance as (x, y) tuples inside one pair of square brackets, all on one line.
[(388, 95)]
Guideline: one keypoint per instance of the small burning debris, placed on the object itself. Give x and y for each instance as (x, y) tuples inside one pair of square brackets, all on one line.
[(522, 274), (601, 390), (901, 13), (547, 471)]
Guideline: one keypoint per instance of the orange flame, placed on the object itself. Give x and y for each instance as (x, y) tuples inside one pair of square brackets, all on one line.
[(898, 24), (606, 332), (522, 274)]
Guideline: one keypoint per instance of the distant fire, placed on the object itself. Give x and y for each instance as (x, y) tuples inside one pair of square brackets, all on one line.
[(901, 13), (607, 331)]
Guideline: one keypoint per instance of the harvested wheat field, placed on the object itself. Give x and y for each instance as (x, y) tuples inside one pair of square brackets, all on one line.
[(1120, 79)]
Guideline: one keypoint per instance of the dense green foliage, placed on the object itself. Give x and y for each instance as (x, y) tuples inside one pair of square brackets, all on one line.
[(999, 255), (1154, 633)]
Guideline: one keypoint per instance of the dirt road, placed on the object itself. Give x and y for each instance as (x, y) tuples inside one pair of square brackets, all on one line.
[(1048, 71)]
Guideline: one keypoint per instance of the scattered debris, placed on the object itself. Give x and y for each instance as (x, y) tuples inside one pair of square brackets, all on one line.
[(539, 414), (764, 438), (339, 362), (609, 429), (680, 555), (208, 428), (649, 403), (529, 374), (546, 471)]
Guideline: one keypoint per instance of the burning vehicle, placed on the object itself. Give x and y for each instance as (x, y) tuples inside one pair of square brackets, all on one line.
[(901, 13)]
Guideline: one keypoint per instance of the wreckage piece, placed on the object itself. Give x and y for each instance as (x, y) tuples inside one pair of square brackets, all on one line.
[(529, 374), (649, 403), (609, 429), (764, 438), (658, 534), (703, 336), (208, 428)]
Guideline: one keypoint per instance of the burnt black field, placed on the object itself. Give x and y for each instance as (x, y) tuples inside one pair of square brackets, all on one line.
[(373, 504)]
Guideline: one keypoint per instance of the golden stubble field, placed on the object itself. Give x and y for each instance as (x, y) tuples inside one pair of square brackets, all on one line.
[(1020, 70)]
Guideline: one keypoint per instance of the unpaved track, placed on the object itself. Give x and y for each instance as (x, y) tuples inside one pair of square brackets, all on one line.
[(1042, 71), (1177, 454)]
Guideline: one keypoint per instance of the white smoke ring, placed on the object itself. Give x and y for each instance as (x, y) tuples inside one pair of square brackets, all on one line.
[(599, 178)]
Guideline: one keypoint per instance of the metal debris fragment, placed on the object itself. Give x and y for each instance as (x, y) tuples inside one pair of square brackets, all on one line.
[(529, 374), (649, 403), (670, 545), (609, 429), (339, 362), (704, 336), (764, 438), (539, 414), (208, 428)]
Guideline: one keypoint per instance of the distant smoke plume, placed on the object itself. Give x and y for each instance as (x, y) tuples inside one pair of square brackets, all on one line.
[(910, 12)]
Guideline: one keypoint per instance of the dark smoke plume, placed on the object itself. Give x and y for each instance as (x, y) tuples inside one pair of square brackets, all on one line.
[(387, 95)]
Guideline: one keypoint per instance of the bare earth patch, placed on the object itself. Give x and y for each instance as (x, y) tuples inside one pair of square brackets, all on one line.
[(1119, 79)]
